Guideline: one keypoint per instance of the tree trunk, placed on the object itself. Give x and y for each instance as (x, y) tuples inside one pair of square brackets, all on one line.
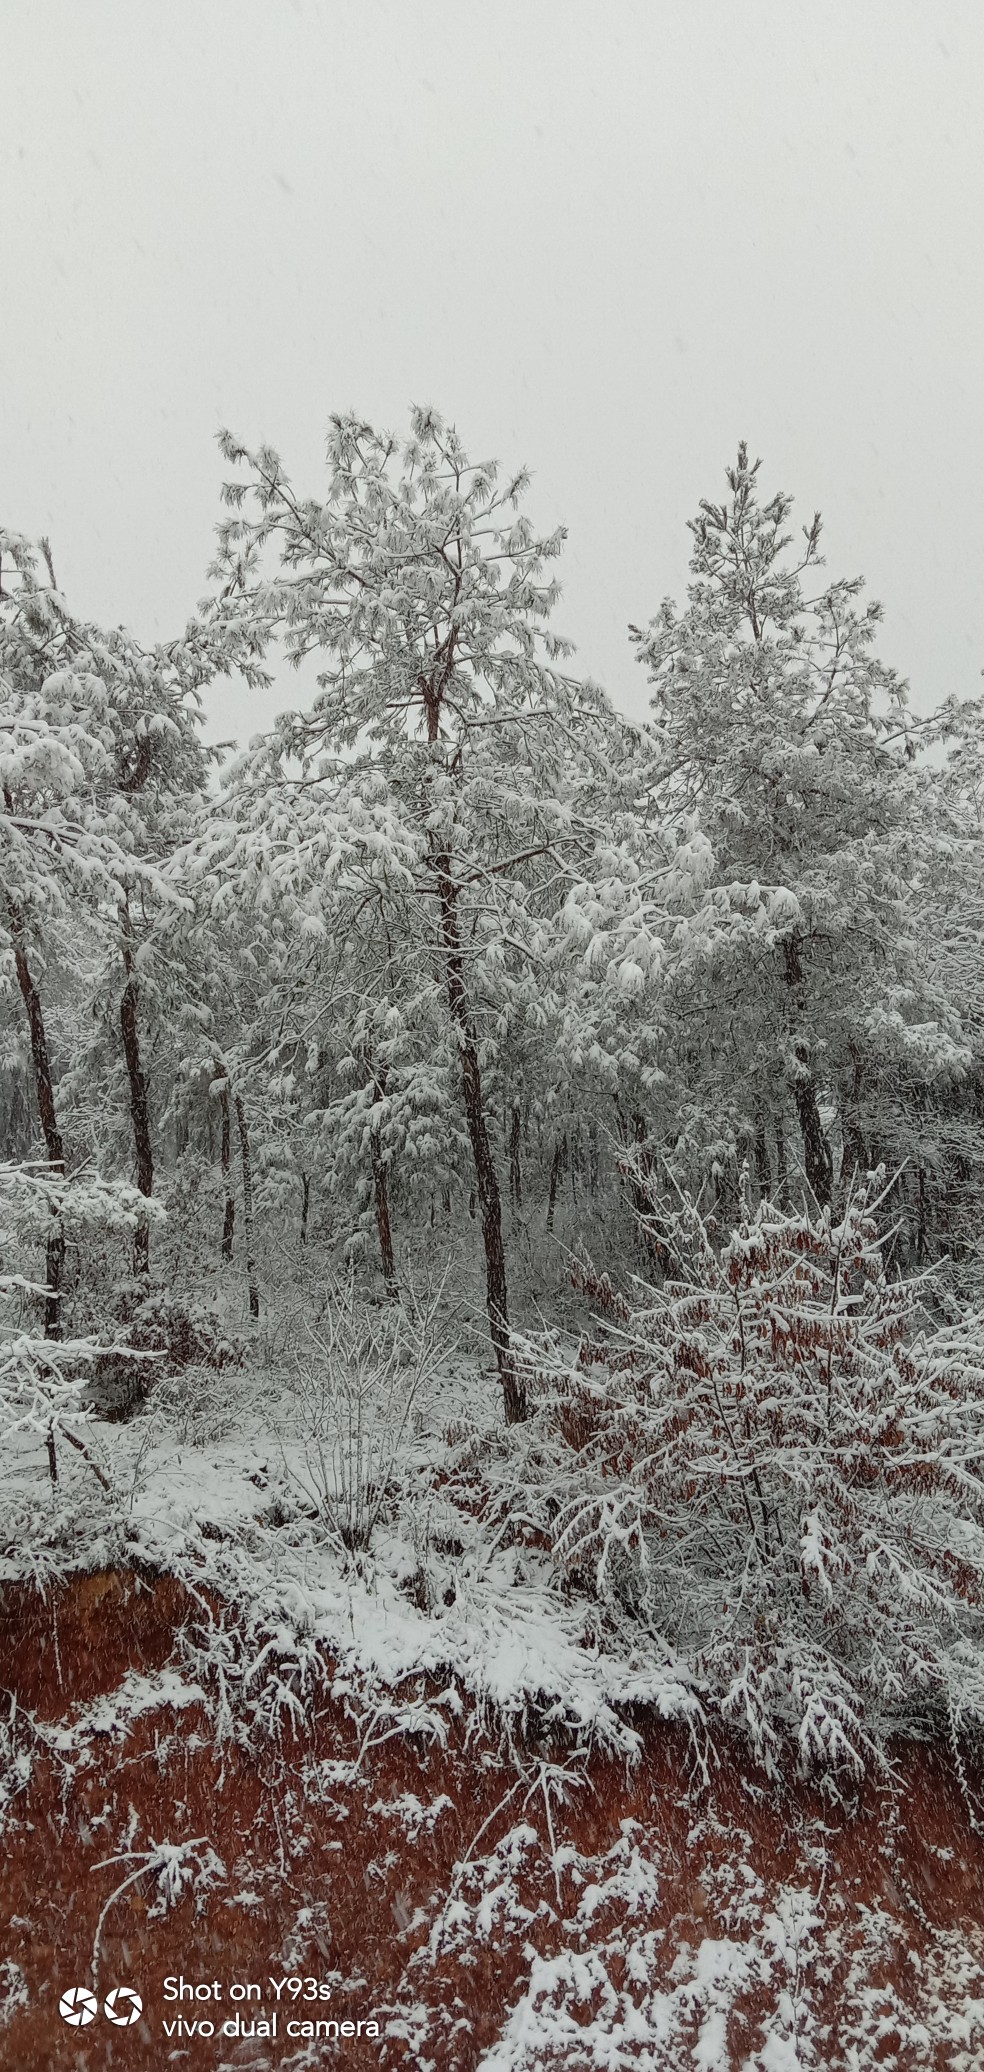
[(487, 1181), (727, 1192), (816, 1150), (139, 1107), (817, 1156), (782, 1170), (556, 1171), (761, 1152), (515, 1165), (247, 1166), (229, 1216), (633, 1168), (854, 1155), (380, 1183), (594, 1159), (44, 1087), (381, 1198)]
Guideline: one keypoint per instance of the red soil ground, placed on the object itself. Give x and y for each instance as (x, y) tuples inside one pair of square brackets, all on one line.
[(334, 1886)]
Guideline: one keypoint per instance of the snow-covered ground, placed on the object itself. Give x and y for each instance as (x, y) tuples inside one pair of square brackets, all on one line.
[(452, 1584), (509, 1824)]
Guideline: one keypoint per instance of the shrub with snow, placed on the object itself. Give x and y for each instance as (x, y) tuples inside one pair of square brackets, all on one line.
[(355, 1388), (178, 1331), (770, 1462), (46, 1381)]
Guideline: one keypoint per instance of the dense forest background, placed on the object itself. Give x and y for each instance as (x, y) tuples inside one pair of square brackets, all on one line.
[(457, 1023), (491, 1304)]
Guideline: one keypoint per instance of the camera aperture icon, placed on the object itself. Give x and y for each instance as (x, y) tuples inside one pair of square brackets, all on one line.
[(78, 2007), (123, 2006)]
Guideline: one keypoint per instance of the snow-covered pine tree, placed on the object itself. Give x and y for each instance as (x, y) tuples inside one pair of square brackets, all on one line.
[(776, 723), (946, 1173), (53, 856), (437, 788), (102, 764)]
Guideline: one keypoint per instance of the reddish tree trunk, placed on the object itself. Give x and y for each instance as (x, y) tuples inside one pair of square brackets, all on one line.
[(247, 1166), (817, 1157), (381, 1197), (816, 1150), (594, 1159), (854, 1155), (380, 1185), (229, 1216), (139, 1107), (515, 1163), (486, 1177), (556, 1170), (761, 1151), (44, 1087), (782, 1170)]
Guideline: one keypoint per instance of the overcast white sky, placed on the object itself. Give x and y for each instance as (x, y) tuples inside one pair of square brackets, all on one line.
[(606, 237)]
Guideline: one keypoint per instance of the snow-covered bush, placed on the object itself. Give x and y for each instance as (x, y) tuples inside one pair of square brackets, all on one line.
[(45, 1426), (43, 1380), (93, 1212), (181, 1332), (772, 1463), (355, 1388)]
